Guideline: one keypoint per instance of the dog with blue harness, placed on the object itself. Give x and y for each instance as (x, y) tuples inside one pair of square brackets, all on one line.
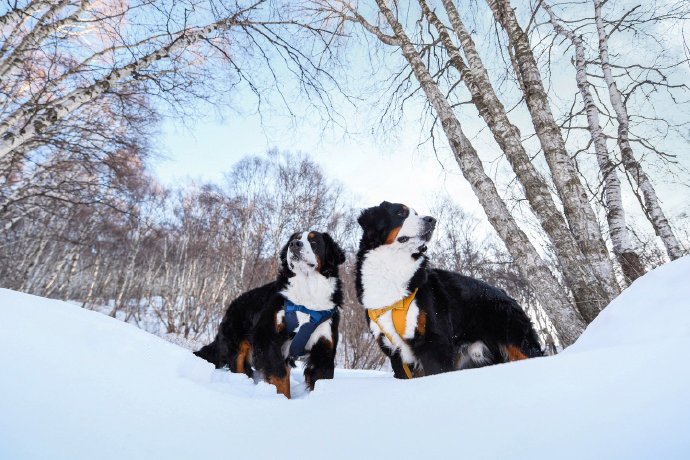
[(296, 316)]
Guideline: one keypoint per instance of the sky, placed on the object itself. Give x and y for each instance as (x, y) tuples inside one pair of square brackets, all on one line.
[(394, 165), (395, 169)]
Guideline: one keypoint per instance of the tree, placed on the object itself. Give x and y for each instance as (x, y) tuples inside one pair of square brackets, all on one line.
[(632, 166), (62, 62), (615, 213), (566, 180)]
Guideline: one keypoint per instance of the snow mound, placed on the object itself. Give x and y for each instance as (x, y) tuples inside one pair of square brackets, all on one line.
[(80, 385)]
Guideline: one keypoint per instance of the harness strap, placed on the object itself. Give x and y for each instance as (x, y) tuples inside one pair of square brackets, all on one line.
[(399, 315), (303, 332)]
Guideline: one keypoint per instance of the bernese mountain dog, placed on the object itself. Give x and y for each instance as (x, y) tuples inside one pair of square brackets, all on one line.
[(428, 320), (267, 328)]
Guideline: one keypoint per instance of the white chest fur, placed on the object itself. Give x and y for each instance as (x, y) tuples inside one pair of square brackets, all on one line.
[(313, 290), (386, 272)]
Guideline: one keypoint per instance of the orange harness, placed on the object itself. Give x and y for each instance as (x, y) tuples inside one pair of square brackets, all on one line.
[(399, 314)]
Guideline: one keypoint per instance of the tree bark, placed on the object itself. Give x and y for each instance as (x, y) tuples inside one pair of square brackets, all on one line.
[(578, 211), (566, 319), (651, 207), (615, 213)]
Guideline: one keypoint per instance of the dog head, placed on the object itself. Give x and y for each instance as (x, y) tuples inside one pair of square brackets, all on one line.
[(308, 252), (396, 225)]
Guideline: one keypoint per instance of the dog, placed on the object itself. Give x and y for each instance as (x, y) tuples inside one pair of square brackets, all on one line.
[(426, 320), (267, 328)]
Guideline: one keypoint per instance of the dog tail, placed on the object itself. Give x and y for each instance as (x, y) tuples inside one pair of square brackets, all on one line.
[(528, 347), (531, 347), (210, 353)]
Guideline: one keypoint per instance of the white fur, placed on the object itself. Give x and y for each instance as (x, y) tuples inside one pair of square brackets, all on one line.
[(475, 354), (386, 272), (312, 290)]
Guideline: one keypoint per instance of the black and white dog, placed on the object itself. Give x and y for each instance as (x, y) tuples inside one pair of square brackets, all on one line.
[(267, 328), (428, 320)]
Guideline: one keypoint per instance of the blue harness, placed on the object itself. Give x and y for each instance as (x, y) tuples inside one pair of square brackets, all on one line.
[(300, 334)]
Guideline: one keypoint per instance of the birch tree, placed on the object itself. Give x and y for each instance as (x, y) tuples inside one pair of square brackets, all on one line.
[(57, 58), (632, 166), (615, 212), (587, 289), (566, 180)]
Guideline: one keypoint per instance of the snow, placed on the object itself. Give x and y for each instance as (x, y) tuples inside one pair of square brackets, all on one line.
[(76, 384)]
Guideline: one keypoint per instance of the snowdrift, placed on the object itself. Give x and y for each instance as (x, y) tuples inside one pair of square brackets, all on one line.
[(76, 384)]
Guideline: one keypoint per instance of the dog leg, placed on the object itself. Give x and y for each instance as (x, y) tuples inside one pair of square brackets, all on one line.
[(513, 353), (281, 382), (242, 364), (320, 364)]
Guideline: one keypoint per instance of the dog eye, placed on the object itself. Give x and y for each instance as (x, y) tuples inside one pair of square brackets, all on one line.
[(403, 239)]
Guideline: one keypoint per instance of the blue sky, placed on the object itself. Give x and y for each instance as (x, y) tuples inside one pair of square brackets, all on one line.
[(373, 170), (375, 163)]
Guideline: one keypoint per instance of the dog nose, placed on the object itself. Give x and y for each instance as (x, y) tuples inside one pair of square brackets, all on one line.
[(429, 220), (296, 244)]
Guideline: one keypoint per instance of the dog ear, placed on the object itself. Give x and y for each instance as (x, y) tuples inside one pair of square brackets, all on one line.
[(334, 256), (283, 258), (336, 251), (367, 218), (373, 222)]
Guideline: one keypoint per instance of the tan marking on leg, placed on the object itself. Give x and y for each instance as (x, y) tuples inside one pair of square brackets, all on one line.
[(421, 322), (242, 355), (514, 353), (393, 235), (282, 384), (280, 325)]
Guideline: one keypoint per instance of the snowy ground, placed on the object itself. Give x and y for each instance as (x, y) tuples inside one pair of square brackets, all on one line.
[(76, 384)]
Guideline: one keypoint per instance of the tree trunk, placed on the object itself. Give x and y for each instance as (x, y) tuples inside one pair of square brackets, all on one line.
[(579, 213), (552, 297), (582, 281), (615, 213), (651, 207)]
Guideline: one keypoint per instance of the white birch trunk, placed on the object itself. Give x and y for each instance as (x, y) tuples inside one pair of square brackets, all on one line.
[(585, 286), (39, 33), (651, 202), (578, 211), (615, 213), (552, 297)]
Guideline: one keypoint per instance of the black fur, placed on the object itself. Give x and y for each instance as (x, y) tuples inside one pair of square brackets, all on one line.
[(459, 310), (250, 323)]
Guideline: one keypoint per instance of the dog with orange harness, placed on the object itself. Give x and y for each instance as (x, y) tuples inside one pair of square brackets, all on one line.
[(427, 320)]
